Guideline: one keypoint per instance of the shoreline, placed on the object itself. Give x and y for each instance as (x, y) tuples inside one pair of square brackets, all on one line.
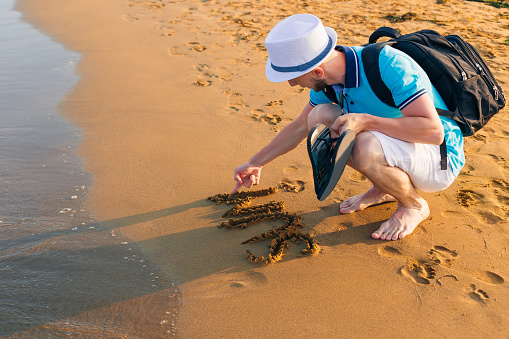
[(56, 263), (174, 97)]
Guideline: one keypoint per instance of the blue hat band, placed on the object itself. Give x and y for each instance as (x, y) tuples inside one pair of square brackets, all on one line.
[(303, 67)]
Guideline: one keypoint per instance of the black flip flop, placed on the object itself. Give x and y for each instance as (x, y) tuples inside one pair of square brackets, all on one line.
[(328, 162)]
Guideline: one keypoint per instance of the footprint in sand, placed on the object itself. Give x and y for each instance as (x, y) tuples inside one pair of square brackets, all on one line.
[(169, 33), (389, 251), (249, 279), (451, 214), (256, 114), (502, 198), (190, 46), (501, 187), (133, 17), (167, 30), (259, 46), (185, 48), (500, 183), (202, 67), (234, 99), (175, 51), (441, 255), (296, 91), (274, 103), (272, 119), (477, 294), (420, 273), (357, 177), (468, 197), (480, 137), (198, 48), (218, 73), (491, 218), (296, 186), (488, 277), (203, 83), (290, 169), (224, 285), (500, 161)]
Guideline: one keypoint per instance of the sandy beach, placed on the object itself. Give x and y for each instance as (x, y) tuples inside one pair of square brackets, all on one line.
[(173, 96)]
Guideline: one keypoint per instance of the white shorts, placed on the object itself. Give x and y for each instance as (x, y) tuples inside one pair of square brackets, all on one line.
[(420, 161)]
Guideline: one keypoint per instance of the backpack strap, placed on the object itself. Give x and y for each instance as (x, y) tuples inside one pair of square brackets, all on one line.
[(444, 113), (371, 66), (443, 155), (443, 146), (384, 32), (331, 94)]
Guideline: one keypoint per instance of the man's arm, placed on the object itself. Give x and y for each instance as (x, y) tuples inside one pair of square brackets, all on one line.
[(420, 123), (291, 136)]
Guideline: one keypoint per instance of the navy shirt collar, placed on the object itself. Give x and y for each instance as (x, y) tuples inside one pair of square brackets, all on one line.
[(352, 66)]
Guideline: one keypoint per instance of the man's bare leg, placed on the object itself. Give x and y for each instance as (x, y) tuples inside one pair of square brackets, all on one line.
[(325, 114), (371, 197), (389, 184)]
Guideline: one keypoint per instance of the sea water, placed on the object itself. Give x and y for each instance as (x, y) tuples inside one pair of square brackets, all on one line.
[(56, 264)]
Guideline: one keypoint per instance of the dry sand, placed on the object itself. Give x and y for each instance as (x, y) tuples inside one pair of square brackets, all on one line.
[(173, 97)]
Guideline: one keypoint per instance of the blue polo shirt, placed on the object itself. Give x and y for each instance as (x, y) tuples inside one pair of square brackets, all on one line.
[(406, 80)]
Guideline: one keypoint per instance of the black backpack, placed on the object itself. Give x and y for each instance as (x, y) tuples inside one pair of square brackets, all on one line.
[(453, 66)]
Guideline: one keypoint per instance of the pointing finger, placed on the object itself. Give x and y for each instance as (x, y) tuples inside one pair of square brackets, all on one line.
[(237, 187)]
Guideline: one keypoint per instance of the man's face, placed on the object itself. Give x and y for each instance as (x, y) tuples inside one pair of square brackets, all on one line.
[(309, 80)]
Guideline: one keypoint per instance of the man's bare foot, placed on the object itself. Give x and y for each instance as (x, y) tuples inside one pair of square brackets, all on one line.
[(402, 222), (371, 197)]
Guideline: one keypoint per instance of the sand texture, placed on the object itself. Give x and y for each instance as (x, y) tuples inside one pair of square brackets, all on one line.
[(173, 97)]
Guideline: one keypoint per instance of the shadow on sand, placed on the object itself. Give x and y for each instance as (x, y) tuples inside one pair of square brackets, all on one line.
[(93, 271)]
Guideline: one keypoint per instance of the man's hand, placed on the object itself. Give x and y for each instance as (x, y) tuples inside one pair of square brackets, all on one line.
[(353, 121), (246, 175)]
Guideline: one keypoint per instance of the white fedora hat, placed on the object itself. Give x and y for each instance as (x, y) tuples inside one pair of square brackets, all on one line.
[(296, 45)]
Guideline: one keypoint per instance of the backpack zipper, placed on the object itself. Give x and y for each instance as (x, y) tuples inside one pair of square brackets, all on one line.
[(481, 70)]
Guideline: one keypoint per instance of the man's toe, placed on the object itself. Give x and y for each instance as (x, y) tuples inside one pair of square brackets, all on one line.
[(403, 234)]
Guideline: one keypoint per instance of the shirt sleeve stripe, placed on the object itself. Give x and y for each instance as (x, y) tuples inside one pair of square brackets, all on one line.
[(412, 98), (312, 103)]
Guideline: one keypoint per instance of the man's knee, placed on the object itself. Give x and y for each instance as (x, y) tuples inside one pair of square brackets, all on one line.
[(324, 114), (367, 153)]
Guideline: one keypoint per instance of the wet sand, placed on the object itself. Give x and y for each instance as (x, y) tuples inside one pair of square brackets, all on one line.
[(173, 97)]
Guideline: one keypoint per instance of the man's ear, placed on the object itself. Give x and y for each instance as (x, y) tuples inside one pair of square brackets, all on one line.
[(318, 72)]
